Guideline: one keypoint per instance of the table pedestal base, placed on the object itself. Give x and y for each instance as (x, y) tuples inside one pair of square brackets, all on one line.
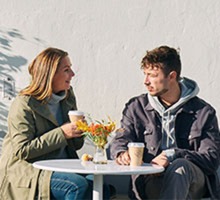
[(97, 187)]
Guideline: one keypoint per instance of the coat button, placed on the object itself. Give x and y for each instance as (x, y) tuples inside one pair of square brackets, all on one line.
[(152, 148)]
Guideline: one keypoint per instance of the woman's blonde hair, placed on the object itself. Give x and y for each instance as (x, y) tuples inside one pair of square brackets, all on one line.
[(42, 70)]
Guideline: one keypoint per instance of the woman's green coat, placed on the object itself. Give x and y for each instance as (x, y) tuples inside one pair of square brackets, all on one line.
[(33, 134)]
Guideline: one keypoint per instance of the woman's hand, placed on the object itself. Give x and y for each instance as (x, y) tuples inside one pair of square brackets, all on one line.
[(70, 131)]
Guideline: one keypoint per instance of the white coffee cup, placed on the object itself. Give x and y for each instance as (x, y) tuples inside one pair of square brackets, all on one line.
[(75, 115), (136, 150)]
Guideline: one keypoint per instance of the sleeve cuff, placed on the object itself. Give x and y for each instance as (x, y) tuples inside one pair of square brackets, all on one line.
[(170, 154)]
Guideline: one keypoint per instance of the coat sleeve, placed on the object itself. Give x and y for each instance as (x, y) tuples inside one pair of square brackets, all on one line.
[(205, 142), (26, 143), (75, 143)]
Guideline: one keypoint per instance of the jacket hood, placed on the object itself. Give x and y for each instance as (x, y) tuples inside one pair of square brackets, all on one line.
[(189, 89)]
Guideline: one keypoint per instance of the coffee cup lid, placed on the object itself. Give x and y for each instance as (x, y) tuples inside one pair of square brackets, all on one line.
[(135, 144), (75, 112)]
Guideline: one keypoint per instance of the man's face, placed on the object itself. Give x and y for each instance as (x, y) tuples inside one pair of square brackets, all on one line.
[(156, 82)]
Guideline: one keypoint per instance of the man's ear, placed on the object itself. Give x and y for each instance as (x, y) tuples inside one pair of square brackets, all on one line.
[(173, 75)]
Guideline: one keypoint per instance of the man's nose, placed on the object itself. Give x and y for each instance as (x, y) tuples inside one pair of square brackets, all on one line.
[(146, 81)]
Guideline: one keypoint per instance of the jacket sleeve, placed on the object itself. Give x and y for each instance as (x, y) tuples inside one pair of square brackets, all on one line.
[(123, 135), (204, 141)]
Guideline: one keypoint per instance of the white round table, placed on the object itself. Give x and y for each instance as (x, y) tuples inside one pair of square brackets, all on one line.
[(98, 170)]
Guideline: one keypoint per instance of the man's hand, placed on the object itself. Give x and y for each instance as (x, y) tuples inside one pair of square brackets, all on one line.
[(123, 158), (161, 160)]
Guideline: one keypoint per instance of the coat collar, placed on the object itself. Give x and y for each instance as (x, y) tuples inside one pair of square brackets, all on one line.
[(42, 109)]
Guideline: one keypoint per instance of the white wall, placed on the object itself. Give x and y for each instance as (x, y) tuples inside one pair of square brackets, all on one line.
[(106, 40)]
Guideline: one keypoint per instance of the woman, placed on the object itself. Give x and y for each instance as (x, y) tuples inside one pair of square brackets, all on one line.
[(39, 129)]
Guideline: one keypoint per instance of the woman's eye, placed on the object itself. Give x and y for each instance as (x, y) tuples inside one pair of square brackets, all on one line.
[(67, 70)]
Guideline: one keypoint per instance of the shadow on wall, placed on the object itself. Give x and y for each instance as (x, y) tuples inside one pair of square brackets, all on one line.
[(10, 64)]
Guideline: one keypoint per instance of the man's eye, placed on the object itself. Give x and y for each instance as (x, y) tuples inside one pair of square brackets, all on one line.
[(153, 75)]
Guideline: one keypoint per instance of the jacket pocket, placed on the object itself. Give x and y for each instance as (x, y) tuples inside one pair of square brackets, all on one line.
[(17, 189), (148, 131), (194, 139), (194, 134), (23, 183), (191, 141)]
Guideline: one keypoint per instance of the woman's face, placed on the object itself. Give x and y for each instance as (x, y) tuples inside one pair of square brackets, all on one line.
[(63, 76)]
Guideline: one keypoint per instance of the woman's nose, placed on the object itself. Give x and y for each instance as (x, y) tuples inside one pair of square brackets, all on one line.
[(72, 73)]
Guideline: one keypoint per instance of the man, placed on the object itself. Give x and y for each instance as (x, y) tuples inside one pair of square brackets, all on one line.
[(180, 132)]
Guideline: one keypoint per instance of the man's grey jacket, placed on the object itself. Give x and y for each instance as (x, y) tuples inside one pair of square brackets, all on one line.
[(196, 132)]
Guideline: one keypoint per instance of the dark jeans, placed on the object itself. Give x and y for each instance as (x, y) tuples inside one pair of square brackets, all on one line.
[(70, 186), (181, 180)]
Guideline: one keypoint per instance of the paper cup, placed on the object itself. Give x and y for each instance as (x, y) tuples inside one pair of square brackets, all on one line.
[(75, 115), (136, 150)]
